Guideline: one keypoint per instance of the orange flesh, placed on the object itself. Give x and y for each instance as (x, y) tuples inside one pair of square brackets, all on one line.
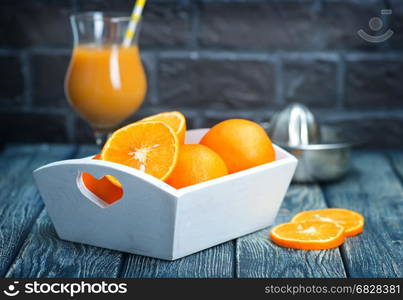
[(151, 147), (352, 221), (174, 119), (308, 235)]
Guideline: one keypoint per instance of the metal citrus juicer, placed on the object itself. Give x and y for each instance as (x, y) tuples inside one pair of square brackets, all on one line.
[(322, 153)]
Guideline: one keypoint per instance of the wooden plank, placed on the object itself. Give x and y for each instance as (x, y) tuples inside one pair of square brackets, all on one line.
[(19, 200), (396, 158), (45, 255), (214, 262), (374, 190), (258, 257)]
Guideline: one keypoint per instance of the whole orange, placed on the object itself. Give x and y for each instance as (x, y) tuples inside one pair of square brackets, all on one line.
[(196, 163), (242, 144)]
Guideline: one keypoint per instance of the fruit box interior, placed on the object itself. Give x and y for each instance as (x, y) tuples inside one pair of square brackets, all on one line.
[(154, 219)]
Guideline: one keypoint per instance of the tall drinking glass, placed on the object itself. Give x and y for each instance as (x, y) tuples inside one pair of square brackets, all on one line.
[(105, 82)]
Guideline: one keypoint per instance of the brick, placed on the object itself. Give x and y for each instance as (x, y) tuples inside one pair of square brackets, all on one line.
[(33, 127), (48, 72), (312, 82), (374, 83), (165, 23), (149, 65), (35, 23), (11, 80), (375, 132), (216, 83), (339, 22), (106, 5), (175, 82), (396, 24), (287, 25), (83, 131), (212, 118), (273, 25)]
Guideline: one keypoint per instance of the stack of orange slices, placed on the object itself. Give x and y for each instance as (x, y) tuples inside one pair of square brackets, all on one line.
[(318, 229)]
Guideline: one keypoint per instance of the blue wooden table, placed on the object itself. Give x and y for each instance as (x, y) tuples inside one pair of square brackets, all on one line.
[(29, 246)]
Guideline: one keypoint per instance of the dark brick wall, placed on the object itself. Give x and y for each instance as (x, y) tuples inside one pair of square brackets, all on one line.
[(215, 59)]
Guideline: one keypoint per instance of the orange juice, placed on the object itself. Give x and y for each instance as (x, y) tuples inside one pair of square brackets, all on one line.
[(105, 85)]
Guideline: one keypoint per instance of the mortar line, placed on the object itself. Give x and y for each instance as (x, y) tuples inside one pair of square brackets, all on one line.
[(279, 98), (341, 82), (195, 26), (27, 79)]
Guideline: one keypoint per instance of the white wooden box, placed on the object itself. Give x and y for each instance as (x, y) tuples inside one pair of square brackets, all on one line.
[(153, 218)]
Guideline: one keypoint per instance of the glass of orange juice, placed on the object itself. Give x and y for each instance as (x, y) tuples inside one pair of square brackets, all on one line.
[(105, 81)]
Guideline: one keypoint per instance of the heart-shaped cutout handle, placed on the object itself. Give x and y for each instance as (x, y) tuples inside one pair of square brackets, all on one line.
[(103, 188)]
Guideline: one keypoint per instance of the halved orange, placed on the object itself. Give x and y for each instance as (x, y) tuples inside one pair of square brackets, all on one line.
[(308, 235), (352, 221), (103, 188), (151, 147), (175, 119)]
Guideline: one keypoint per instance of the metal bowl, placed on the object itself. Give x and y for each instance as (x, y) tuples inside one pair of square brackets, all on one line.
[(323, 153), (327, 161)]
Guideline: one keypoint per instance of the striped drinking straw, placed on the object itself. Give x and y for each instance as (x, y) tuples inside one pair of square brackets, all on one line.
[(134, 20)]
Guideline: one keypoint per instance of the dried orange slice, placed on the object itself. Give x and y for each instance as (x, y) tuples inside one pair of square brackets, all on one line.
[(151, 147), (308, 235), (352, 221), (174, 119)]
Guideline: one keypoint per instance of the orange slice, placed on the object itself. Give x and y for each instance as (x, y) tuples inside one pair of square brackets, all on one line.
[(352, 221), (174, 119), (151, 147), (308, 235)]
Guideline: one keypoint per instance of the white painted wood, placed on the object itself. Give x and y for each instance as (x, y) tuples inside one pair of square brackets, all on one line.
[(228, 207), (153, 218), (194, 136)]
